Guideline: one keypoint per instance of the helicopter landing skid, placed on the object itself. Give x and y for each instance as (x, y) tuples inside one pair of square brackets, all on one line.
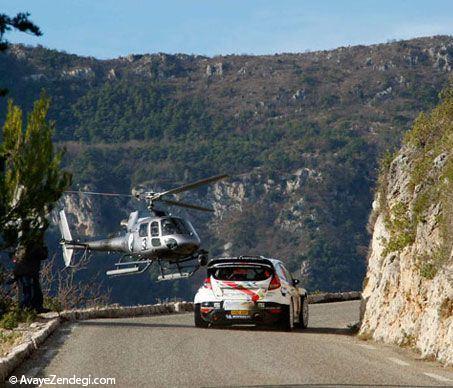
[(129, 267), (180, 274), (126, 266)]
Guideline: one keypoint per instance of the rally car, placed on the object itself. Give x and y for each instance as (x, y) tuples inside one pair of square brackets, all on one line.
[(250, 290)]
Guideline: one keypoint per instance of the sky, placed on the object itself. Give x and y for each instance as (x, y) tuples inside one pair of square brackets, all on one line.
[(112, 28)]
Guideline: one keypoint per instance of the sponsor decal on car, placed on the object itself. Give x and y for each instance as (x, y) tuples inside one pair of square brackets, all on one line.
[(255, 296), (230, 316)]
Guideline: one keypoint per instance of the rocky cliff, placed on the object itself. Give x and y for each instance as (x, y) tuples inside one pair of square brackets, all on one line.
[(408, 291)]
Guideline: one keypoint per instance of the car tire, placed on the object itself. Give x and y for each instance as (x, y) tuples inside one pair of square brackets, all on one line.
[(199, 321), (303, 315), (287, 318)]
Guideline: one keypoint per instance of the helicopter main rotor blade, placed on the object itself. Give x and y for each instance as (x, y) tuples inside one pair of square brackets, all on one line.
[(187, 205), (96, 193), (194, 185)]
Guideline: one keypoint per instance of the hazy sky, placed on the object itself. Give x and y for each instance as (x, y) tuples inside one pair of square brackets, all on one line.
[(110, 28)]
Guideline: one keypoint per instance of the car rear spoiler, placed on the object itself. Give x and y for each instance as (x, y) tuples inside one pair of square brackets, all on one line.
[(240, 259)]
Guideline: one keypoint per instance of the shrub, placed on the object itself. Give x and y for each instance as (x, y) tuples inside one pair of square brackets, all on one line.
[(15, 316), (428, 270), (401, 227)]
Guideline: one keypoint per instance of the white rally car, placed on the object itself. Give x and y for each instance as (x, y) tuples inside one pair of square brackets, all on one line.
[(250, 289)]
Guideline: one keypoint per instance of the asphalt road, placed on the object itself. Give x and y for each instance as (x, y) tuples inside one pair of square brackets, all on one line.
[(168, 351)]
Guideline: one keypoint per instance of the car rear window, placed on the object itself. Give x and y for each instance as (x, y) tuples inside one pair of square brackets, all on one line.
[(241, 273)]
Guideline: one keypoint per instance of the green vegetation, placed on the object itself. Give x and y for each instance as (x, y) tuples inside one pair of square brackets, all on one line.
[(12, 318), (430, 145), (401, 228), (428, 270), (432, 175), (122, 111), (7, 340), (31, 180), (52, 303)]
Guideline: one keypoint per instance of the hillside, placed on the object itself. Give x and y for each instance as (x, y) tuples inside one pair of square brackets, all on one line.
[(409, 283), (299, 133)]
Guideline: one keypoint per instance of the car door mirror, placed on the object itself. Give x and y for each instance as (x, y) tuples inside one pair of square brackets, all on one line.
[(296, 282)]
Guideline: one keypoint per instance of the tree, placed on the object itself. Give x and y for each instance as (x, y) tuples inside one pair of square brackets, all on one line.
[(31, 179), (20, 22)]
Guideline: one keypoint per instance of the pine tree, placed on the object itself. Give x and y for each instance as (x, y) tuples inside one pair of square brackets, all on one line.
[(31, 179)]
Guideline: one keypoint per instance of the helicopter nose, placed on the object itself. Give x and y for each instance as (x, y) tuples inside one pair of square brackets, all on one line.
[(188, 248), (171, 243), (181, 246)]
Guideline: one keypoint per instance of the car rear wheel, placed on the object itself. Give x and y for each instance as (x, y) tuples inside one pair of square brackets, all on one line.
[(287, 319), (199, 321), (303, 316)]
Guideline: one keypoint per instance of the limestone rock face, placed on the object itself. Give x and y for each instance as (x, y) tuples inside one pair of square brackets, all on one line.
[(256, 187), (82, 212), (214, 69), (401, 305), (79, 73)]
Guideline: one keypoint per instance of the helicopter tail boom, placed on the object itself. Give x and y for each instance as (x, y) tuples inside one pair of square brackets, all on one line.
[(115, 244)]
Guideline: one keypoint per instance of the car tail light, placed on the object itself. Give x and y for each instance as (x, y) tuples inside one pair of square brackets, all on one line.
[(207, 283), (206, 310), (275, 282)]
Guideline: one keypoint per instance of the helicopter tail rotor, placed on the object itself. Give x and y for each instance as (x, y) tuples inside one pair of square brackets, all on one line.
[(66, 237)]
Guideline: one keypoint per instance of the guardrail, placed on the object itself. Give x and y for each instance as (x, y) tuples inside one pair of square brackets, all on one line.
[(329, 297), (24, 350)]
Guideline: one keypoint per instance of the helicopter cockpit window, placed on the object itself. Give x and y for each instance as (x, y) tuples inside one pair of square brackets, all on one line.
[(143, 231), (174, 226), (154, 229)]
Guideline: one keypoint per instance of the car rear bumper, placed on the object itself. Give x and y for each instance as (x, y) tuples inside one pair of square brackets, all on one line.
[(264, 313)]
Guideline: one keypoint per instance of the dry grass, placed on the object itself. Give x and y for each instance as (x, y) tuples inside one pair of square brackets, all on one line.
[(9, 339), (446, 308), (365, 336), (62, 290)]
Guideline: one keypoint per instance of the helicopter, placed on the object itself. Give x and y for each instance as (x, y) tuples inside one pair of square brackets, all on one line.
[(171, 242)]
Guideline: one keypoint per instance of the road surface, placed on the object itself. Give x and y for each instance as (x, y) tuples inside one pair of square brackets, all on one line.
[(168, 351)]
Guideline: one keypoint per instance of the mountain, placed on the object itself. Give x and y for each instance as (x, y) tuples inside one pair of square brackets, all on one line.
[(409, 283), (300, 134)]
